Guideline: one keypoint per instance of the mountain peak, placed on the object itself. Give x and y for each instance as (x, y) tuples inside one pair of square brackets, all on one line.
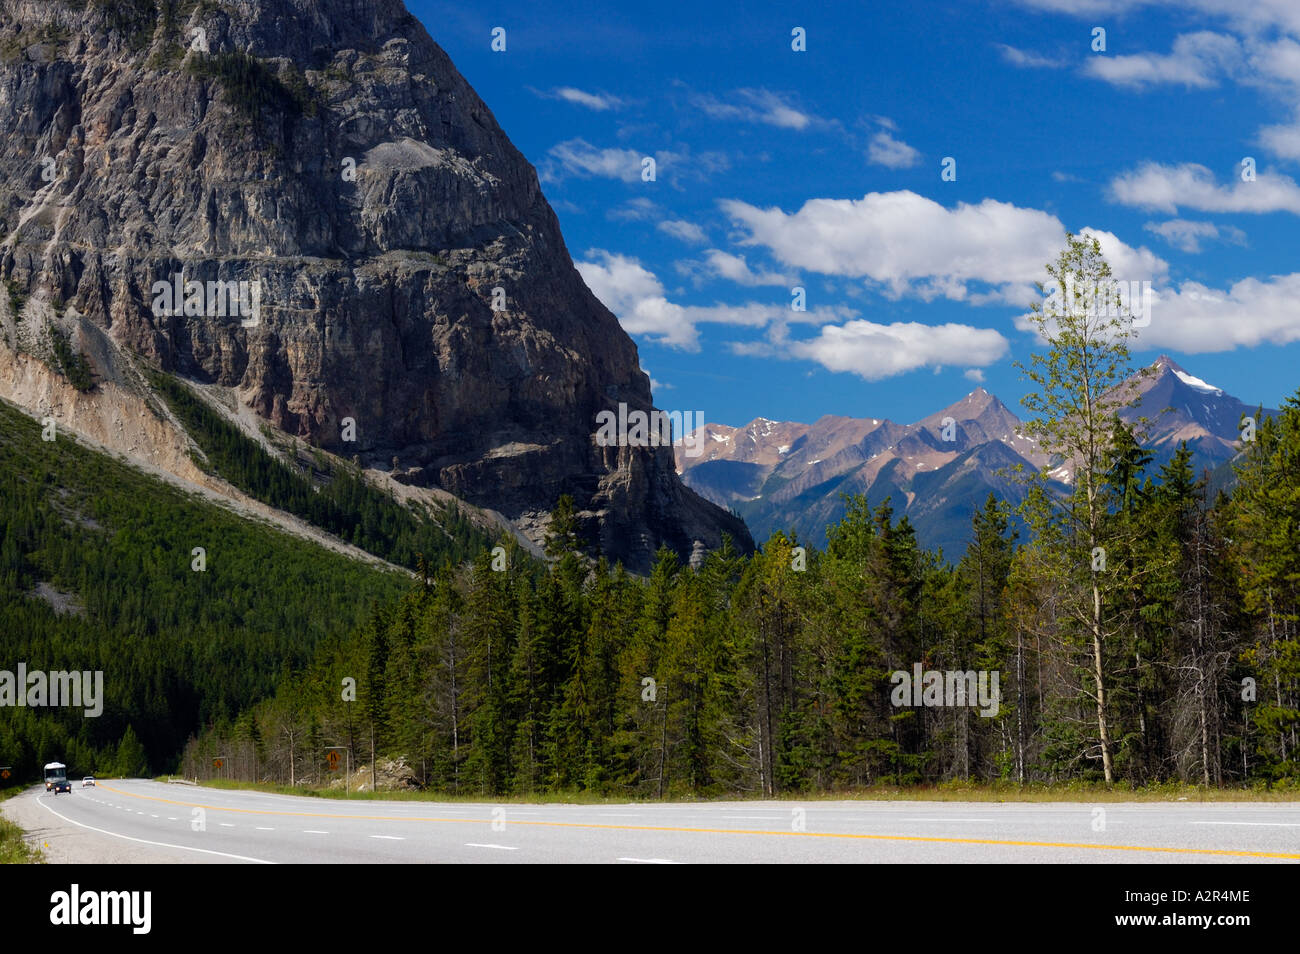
[(938, 474), (973, 406), (398, 259), (1167, 365)]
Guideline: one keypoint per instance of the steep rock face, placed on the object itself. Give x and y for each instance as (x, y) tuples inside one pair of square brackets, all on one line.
[(328, 153)]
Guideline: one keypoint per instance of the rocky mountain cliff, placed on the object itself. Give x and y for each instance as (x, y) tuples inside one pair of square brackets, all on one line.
[(406, 271), (939, 470), (1181, 407)]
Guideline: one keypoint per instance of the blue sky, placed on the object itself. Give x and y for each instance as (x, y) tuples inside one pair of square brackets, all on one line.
[(822, 169)]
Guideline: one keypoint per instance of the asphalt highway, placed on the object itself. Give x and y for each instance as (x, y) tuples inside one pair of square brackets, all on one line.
[(122, 821)]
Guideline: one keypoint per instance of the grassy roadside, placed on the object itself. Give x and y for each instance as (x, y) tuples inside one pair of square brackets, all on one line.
[(13, 849), (550, 798), (947, 792)]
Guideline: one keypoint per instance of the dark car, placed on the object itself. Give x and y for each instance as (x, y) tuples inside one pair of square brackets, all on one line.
[(61, 785)]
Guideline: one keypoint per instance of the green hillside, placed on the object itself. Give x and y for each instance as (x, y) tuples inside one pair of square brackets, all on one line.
[(96, 574), (335, 498)]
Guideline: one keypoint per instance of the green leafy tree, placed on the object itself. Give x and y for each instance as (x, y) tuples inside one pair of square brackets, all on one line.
[(1077, 397)]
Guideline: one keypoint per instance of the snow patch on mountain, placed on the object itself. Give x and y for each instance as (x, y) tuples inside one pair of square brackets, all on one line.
[(1194, 382)]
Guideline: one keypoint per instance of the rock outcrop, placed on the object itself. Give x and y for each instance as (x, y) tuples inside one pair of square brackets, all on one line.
[(405, 270)]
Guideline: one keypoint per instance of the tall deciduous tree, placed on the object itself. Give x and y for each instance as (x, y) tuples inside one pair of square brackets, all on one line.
[(1086, 325)]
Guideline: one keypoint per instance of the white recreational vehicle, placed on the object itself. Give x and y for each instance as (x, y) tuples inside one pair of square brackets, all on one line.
[(55, 773)]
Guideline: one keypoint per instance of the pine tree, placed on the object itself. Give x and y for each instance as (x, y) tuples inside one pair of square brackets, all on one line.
[(131, 761), (1265, 522), (982, 578)]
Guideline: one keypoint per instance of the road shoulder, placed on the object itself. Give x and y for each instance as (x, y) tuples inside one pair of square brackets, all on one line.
[(64, 842)]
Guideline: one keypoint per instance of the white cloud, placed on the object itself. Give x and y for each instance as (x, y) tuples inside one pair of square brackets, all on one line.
[(597, 101), (1191, 186), (1187, 235), (735, 268), (1282, 140), (1264, 53), (1277, 61), (974, 374), (844, 342), (637, 297), (1197, 60), (656, 385), (683, 230), (874, 351), (1025, 59), (1247, 16), (766, 314), (639, 209), (1127, 263), (756, 106), (913, 245), (1196, 319), (885, 150), (577, 157)]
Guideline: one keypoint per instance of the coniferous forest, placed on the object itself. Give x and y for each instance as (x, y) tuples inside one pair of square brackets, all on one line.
[(1140, 631), (771, 680)]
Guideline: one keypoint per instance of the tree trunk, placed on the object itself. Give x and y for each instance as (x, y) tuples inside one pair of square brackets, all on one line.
[(1099, 675), (1020, 707)]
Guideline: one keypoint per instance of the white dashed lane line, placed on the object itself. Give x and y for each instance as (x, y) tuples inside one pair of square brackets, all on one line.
[(649, 861), (161, 844), (314, 831), (1259, 824), (471, 844), (948, 819), (388, 837)]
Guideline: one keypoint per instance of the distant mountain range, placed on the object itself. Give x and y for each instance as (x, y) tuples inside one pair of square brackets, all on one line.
[(782, 475)]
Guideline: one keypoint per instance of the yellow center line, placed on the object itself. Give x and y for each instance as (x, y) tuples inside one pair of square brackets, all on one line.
[(727, 831)]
